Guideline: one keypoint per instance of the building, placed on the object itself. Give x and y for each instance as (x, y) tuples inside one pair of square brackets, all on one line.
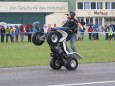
[(101, 12), (53, 11), (29, 11)]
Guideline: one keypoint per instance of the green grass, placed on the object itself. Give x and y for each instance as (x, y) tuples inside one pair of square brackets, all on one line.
[(97, 51), (27, 54), (23, 54)]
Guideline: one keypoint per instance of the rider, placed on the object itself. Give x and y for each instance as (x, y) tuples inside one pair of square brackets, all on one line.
[(72, 23)]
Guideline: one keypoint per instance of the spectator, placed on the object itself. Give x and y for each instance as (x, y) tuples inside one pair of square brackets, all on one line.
[(29, 30), (110, 33), (42, 29), (22, 32), (2, 34), (106, 33), (36, 27), (0, 30), (90, 30), (114, 31), (17, 32), (7, 33), (82, 30), (11, 34), (95, 32), (49, 27), (78, 33), (54, 25), (45, 29)]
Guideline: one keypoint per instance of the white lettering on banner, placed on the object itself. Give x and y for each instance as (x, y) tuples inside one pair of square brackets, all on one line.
[(27, 8), (55, 8), (33, 6), (23, 8), (100, 13)]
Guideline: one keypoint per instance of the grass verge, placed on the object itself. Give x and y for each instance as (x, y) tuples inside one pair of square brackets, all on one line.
[(27, 54)]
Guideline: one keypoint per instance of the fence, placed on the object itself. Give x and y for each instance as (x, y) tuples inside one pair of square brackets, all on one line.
[(100, 36)]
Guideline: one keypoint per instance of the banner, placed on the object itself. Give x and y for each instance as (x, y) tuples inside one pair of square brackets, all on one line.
[(33, 6)]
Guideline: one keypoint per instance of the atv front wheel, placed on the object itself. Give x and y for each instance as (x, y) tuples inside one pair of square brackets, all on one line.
[(38, 38), (53, 38)]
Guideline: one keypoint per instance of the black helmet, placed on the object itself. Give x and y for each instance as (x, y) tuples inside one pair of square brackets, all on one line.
[(72, 14)]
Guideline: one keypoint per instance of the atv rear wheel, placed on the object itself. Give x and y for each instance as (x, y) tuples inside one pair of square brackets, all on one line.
[(55, 64), (71, 64)]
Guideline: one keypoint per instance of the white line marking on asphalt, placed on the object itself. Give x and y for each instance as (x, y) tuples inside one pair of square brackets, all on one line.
[(88, 83)]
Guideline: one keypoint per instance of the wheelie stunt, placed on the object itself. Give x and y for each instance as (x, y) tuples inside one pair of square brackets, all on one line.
[(56, 38)]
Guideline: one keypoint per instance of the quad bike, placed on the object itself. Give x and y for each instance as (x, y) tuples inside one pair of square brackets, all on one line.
[(60, 56)]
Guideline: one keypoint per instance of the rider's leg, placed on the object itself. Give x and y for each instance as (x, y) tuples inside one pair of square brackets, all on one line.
[(67, 39), (72, 42)]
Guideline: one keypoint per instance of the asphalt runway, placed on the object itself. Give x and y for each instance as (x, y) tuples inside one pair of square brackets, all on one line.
[(98, 74)]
